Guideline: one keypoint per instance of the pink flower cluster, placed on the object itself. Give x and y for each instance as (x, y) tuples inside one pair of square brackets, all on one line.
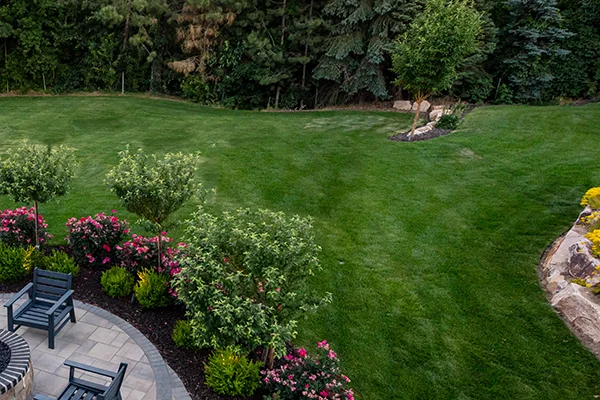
[(312, 377), (94, 240), (17, 227), (142, 252)]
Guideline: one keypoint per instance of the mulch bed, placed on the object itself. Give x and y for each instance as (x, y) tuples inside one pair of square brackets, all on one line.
[(156, 325), (4, 356), (435, 132)]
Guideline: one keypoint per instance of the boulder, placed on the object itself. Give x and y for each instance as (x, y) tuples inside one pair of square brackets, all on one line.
[(403, 105), (439, 107), (423, 129), (437, 114), (576, 305), (580, 262), (424, 106)]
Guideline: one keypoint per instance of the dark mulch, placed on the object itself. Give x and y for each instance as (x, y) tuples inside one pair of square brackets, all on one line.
[(4, 356), (435, 132), (156, 325)]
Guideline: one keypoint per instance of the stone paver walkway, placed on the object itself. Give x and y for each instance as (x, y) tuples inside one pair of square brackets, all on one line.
[(104, 340)]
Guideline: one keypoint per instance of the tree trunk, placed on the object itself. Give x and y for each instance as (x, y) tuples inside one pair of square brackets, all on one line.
[(416, 120), (283, 22), (159, 250), (268, 357), (6, 63), (306, 46), (122, 82), (277, 97), (37, 228), (126, 29)]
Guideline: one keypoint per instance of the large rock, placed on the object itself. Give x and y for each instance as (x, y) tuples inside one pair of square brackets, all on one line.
[(576, 305), (424, 106), (423, 129), (437, 114), (581, 263), (403, 105)]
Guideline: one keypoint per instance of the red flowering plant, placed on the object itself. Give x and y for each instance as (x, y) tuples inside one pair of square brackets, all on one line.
[(141, 253), (94, 240), (17, 227), (304, 376)]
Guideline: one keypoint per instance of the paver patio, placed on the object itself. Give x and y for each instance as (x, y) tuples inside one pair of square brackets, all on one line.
[(103, 340)]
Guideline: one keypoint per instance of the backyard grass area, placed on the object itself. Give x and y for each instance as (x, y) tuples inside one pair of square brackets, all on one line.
[(430, 249)]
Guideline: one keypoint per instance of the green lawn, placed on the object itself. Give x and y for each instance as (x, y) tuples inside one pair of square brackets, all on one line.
[(430, 249)]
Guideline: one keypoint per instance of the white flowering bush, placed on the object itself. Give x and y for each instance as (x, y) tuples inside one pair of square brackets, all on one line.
[(244, 277)]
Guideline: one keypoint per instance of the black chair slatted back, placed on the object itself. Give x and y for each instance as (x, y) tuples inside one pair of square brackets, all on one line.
[(112, 393), (50, 285)]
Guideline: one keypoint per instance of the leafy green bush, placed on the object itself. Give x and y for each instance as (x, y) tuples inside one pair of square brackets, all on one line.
[(117, 282), (152, 290), (232, 374), (12, 267), (60, 261), (243, 278), (449, 122), (183, 335)]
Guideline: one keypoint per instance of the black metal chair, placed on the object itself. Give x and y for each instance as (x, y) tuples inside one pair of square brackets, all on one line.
[(81, 389), (49, 307)]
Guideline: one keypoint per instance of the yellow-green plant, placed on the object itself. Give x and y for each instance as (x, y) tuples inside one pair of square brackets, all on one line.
[(592, 198), (592, 221), (152, 289), (230, 373), (594, 237)]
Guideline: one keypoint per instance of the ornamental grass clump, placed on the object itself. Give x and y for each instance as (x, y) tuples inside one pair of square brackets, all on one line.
[(244, 278), (592, 198), (304, 376), (17, 227), (94, 240)]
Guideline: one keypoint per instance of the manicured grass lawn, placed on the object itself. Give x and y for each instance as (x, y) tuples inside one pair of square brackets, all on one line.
[(430, 249)]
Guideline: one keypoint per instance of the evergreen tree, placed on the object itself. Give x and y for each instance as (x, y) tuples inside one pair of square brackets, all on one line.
[(528, 44), (362, 30)]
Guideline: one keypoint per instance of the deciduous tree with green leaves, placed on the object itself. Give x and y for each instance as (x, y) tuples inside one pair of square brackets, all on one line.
[(426, 57), (37, 173), (153, 188)]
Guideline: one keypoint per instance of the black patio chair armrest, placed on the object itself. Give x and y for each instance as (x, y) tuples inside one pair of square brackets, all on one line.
[(17, 296), (89, 368), (42, 397), (59, 302)]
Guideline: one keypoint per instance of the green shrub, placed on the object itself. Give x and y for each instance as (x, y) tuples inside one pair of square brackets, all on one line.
[(60, 261), (183, 335), (12, 267), (117, 282), (244, 278), (232, 374), (449, 122), (152, 289)]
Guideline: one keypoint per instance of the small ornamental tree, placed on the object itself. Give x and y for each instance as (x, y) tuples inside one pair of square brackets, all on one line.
[(425, 58), (244, 278), (37, 173), (153, 188)]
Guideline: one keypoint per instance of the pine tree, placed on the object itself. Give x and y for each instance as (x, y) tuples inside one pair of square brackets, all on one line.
[(528, 43), (362, 30)]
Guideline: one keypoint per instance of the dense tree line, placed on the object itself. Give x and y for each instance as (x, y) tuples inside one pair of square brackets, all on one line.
[(288, 53)]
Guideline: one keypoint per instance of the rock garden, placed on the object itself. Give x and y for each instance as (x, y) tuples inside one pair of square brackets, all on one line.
[(570, 273)]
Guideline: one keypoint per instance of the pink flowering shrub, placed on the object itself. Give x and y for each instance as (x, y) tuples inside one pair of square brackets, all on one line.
[(302, 376), (17, 227), (94, 240), (141, 253)]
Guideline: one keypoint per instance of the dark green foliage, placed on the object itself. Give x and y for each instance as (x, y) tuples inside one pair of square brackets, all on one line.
[(230, 373), (152, 289), (117, 282), (355, 55), (11, 264), (60, 261), (449, 122), (529, 42), (182, 335)]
